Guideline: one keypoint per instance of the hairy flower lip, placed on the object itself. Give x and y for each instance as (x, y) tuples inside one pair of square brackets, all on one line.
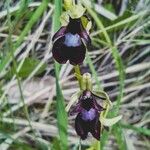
[(83, 127), (87, 119), (70, 42)]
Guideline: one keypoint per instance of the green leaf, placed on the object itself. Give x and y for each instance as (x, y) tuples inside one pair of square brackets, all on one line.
[(120, 19), (61, 117), (121, 23), (55, 144), (28, 66), (34, 18), (104, 138)]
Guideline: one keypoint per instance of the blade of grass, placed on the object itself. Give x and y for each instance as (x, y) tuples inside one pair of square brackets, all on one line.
[(94, 73), (118, 63), (39, 11), (139, 130), (115, 54), (60, 106), (11, 47), (123, 22), (23, 8), (117, 131)]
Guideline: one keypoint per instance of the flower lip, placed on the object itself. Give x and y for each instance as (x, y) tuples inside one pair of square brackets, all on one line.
[(88, 115), (83, 126), (69, 43), (87, 119)]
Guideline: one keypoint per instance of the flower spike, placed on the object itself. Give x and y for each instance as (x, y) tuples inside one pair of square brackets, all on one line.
[(91, 116), (87, 119), (72, 39)]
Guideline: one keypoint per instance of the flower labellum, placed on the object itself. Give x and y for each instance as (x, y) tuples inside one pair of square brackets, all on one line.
[(87, 119), (70, 42)]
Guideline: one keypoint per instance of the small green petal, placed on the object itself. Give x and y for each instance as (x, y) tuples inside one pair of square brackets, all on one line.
[(87, 24)]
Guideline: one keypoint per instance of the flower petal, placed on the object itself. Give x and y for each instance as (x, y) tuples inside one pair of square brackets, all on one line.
[(72, 40), (95, 94), (81, 127), (77, 54), (95, 128), (59, 51), (75, 109), (59, 33), (97, 106), (86, 22)]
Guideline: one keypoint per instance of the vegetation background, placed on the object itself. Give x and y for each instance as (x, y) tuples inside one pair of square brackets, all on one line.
[(31, 110)]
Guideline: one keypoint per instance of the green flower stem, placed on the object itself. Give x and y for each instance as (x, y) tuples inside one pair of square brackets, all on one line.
[(78, 75)]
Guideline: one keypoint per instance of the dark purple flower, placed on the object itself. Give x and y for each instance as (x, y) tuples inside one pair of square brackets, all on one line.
[(69, 43), (87, 119)]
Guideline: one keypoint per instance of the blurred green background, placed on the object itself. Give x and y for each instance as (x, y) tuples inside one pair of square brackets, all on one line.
[(32, 108)]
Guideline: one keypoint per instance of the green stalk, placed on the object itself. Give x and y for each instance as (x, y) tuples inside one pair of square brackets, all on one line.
[(78, 75), (139, 130), (62, 121)]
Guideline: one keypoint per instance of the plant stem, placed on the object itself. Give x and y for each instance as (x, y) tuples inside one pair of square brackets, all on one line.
[(78, 75)]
